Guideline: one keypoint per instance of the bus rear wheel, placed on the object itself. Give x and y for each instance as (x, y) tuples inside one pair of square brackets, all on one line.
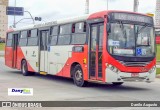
[(117, 83), (24, 69), (78, 76)]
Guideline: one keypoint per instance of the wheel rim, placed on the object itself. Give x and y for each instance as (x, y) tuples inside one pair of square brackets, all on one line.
[(78, 75)]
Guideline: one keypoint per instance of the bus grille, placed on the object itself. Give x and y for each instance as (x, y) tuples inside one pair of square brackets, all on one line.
[(133, 79), (134, 64)]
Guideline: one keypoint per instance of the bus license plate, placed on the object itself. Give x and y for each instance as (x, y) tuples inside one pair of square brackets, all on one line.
[(135, 74)]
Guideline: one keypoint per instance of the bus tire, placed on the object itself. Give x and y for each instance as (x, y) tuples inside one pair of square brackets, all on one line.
[(24, 68), (117, 83), (78, 76)]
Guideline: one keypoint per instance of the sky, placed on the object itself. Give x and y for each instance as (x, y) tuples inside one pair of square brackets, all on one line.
[(51, 10)]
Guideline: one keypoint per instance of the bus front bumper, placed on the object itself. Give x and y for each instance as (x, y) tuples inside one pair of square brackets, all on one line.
[(129, 77)]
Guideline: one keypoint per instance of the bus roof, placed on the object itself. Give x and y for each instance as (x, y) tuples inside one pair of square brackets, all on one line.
[(56, 22), (71, 19)]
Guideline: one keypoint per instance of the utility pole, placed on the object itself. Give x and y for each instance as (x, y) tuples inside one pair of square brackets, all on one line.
[(157, 16), (135, 6), (107, 4), (87, 7), (14, 22)]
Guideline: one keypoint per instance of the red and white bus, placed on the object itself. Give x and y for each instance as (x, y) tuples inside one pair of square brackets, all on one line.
[(157, 31), (103, 47)]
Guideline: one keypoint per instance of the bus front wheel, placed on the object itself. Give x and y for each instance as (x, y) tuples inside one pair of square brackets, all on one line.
[(78, 76)]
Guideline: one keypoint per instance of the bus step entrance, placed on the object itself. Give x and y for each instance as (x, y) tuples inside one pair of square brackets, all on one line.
[(43, 73)]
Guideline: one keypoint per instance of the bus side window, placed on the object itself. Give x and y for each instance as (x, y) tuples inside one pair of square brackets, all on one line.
[(94, 38), (9, 40), (79, 36), (101, 37), (54, 30), (54, 34), (64, 37), (23, 38), (33, 33), (32, 37), (80, 27), (9, 36), (23, 34)]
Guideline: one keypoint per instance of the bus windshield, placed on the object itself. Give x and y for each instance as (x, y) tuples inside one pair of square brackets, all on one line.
[(131, 40)]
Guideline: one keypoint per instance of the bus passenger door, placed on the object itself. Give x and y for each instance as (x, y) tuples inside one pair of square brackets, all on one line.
[(9, 50), (43, 52), (14, 46), (95, 51)]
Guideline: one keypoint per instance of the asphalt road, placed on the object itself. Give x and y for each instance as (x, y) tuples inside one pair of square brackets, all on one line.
[(52, 88)]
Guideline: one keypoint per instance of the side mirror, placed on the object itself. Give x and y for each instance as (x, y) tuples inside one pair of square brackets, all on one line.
[(108, 27)]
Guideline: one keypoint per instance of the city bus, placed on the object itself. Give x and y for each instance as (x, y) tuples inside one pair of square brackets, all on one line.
[(103, 47), (157, 36)]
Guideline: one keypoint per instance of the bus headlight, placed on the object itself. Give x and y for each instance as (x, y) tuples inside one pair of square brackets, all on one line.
[(112, 68), (152, 69)]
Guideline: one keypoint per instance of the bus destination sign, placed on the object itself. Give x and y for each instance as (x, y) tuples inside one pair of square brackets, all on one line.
[(132, 17)]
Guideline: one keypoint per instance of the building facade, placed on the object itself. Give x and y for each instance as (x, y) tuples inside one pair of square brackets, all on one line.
[(3, 19)]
